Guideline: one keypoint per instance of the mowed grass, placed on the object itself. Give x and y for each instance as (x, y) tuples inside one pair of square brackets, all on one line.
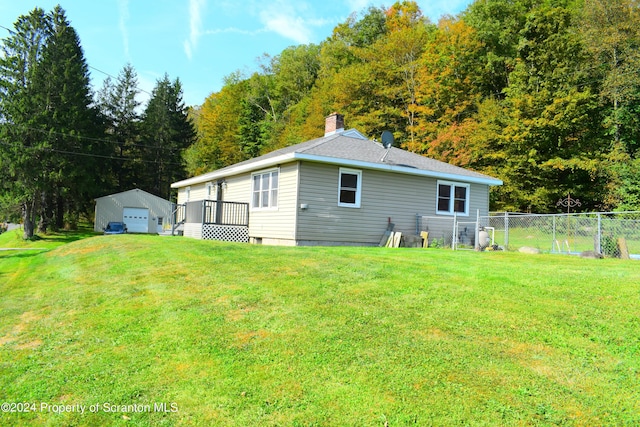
[(240, 335)]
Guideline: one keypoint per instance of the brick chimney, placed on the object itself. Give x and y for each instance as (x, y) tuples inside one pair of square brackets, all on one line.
[(333, 124)]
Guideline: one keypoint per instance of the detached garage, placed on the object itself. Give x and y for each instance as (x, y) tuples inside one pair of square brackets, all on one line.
[(142, 212)]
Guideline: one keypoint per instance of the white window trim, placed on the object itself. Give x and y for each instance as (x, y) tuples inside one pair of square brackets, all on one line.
[(187, 194), (270, 207), (453, 184), (358, 188)]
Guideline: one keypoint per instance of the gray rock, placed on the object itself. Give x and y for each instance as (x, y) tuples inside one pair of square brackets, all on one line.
[(591, 255), (529, 250)]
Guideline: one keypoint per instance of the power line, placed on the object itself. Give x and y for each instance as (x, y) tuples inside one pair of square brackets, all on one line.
[(116, 78), (88, 138), (93, 155), (97, 156), (93, 68)]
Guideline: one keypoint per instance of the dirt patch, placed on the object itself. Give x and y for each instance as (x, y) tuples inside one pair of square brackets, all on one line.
[(29, 345), (29, 316), (77, 250), (244, 338), (236, 315), (25, 318)]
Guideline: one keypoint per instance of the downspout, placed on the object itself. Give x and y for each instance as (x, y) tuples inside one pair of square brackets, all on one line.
[(297, 205)]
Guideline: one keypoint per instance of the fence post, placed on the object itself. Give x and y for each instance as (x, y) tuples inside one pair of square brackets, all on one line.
[(553, 242), (598, 247), (477, 231), (453, 236), (506, 230)]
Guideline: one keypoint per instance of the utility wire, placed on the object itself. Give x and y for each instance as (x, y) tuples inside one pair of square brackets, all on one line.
[(88, 138), (97, 156), (93, 68), (116, 78)]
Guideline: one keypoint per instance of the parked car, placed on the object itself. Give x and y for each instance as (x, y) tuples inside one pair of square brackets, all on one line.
[(115, 228)]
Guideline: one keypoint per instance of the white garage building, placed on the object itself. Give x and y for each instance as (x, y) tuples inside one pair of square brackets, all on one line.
[(142, 212)]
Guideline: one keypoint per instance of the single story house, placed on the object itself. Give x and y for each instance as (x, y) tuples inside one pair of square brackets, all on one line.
[(142, 212), (341, 189)]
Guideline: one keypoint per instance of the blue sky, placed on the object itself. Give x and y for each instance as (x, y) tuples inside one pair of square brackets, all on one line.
[(198, 41)]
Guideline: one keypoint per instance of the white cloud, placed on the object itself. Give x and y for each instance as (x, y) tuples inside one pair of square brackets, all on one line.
[(287, 25), (234, 30), (123, 12), (292, 19), (196, 7)]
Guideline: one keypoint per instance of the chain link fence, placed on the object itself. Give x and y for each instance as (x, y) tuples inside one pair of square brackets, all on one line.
[(600, 232)]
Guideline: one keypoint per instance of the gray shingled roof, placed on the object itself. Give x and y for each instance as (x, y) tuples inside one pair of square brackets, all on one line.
[(348, 147), (373, 152)]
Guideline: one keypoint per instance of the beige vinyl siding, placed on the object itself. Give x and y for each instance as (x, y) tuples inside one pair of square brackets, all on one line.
[(197, 192), (384, 195), (237, 189), (278, 223)]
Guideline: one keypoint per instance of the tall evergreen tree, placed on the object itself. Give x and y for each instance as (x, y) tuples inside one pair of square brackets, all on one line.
[(22, 148), (167, 132), (119, 107), (47, 120), (70, 123)]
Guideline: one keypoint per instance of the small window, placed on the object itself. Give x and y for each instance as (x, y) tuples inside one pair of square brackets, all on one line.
[(349, 188), (265, 190), (160, 219), (452, 198)]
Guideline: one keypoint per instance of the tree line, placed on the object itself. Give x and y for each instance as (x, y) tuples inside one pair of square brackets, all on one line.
[(543, 94), (61, 145)]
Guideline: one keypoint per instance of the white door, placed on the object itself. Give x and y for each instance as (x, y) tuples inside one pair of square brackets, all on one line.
[(137, 219)]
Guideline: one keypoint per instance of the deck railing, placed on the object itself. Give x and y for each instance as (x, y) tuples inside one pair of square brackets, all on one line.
[(217, 212), (178, 216)]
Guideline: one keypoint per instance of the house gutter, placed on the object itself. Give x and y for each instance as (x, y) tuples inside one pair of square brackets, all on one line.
[(285, 158), (398, 169), (235, 170)]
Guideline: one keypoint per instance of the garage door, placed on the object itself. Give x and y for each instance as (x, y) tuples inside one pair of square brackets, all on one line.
[(137, 219)]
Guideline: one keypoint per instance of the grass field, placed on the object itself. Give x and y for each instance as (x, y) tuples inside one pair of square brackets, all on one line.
[(239, 335)]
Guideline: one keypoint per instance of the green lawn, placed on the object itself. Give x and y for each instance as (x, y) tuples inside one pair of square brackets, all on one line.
[(234, 335)]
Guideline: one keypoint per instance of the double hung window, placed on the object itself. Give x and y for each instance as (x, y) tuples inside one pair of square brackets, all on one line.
[(452, 198), (349, 188), (265, 190)]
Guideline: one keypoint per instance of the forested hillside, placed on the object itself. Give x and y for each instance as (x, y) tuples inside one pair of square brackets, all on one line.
[(542, 94)]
